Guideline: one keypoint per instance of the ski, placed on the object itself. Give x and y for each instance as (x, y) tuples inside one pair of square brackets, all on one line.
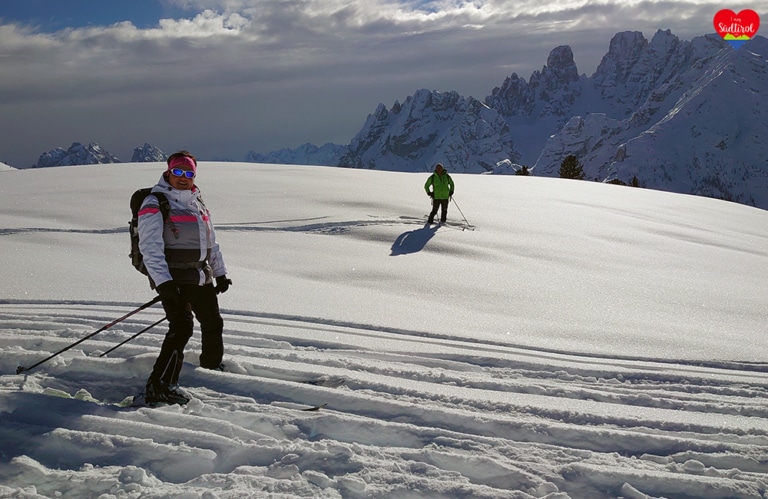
[(138, 402), (314, 408), (324, 380), (450, 225), (299, 407)]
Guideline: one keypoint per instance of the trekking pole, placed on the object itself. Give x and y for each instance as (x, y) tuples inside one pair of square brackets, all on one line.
[(156, 299), (132, 337), (469, 226)]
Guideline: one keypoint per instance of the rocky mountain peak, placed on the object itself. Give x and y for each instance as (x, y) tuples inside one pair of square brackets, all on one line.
[(148, 154), (560, 63), (624, 51), (548, 92), (77, 154)]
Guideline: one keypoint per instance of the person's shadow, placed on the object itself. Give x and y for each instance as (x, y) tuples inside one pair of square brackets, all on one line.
[(413, 241)]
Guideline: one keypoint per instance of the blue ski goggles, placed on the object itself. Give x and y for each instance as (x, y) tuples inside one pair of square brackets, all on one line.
[(178, 172)]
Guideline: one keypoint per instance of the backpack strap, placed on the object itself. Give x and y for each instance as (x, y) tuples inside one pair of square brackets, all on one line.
[(165, 206), (165, 211)]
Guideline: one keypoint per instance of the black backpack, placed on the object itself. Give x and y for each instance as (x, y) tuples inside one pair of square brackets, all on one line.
[(137, 259)]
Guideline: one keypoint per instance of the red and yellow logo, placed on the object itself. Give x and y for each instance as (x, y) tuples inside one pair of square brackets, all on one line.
[(736, 29)]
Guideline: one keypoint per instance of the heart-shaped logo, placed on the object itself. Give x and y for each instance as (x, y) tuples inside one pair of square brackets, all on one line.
[(736, 29)]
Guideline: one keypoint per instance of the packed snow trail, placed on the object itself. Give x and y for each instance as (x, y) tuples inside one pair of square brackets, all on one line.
[(431, 414)]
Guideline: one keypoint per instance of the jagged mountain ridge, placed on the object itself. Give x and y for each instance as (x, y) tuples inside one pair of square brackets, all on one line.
[(77, 154), (432, 127)]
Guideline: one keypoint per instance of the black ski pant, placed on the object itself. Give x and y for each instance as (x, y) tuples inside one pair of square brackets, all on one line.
[(439, 203), (202, 301)]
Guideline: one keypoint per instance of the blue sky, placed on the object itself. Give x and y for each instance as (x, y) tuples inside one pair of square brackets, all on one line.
[(223, 77), (54, 15)]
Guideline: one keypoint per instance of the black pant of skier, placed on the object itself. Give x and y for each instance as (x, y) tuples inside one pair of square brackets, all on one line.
[(443, 205), (202, 301)]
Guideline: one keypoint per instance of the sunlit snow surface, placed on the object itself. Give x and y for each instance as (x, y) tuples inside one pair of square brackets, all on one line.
[(583, 341)]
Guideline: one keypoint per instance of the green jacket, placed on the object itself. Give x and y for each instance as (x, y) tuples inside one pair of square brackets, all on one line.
[(442, 185)]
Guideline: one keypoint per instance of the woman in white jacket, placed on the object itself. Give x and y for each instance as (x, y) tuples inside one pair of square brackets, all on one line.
[(183, 260)]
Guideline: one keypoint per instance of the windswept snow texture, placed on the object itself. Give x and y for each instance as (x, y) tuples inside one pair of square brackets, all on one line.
[(584, 341)]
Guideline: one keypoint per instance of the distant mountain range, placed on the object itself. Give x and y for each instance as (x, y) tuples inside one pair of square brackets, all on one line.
[(680, 116), (94, 154), (305, 154)]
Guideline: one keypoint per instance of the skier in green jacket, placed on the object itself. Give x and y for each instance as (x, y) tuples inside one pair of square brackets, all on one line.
[(442, 190)]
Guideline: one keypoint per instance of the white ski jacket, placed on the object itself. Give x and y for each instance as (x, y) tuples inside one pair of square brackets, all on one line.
[(184, 249)]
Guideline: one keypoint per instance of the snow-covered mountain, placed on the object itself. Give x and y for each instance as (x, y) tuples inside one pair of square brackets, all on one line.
[(305, 154), (93, 154), (698, 125), (432, 127), (77, 154), (4, 167), (148, 154), (681, 116)]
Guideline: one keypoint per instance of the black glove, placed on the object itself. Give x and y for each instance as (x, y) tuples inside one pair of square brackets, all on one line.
[(169, 294), (222, 284), (431, 194), (450, 193)]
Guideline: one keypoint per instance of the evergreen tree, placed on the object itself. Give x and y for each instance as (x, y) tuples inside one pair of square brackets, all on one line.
[(522, 171), (570, 168)]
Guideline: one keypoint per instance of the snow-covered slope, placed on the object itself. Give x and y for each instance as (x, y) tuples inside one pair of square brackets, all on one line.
[(585, 341)]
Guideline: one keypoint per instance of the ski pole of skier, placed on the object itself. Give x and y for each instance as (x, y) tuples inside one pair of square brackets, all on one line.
[(132, 337), (21, 369), (469, 226)]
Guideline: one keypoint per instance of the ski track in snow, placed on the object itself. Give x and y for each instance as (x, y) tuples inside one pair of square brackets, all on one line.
[(433, 415)]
